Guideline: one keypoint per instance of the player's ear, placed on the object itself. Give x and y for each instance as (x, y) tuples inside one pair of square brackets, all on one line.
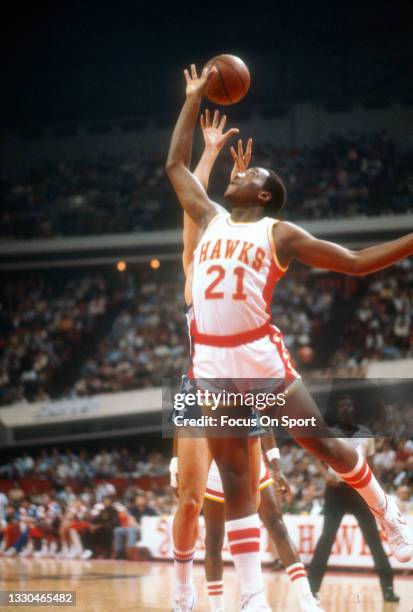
[(265, 196)]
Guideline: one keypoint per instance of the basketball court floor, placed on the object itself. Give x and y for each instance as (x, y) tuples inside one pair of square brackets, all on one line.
[(106, 586)]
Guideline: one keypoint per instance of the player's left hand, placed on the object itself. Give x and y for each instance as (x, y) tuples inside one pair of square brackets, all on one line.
[(281, 483), (241, 159), (197, 86), (213, 133)]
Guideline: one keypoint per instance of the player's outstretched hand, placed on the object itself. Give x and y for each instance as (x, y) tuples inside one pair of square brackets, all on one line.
[(241, 159), (213, 133), (196, 86)]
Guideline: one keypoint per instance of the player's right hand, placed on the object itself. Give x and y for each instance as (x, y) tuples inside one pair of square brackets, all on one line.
[(196, 86), (213, 133), (241, 159)]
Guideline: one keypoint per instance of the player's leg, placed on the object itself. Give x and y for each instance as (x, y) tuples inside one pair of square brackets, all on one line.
[(237, 459), (352, 468), (370, 533), (214, 516), (270, 514), (193, 466), (334, 511)]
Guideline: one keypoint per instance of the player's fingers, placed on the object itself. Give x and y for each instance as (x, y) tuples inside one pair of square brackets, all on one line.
[(193, 71), (207, 118), (230, 134), (222, 122), (208, 72), (233, 155), (240, 150), (187, 77), (248, 151), (215, 119), (202, 121)]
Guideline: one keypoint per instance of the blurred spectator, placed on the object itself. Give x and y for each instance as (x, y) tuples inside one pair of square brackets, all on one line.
[(141, 508), (126, 534), (345, 176), (104, 489)]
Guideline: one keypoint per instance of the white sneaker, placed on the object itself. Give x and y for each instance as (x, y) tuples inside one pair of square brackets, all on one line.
[(397, 532), (86, 554), (309, 603), (255, 603), (10, 552), (185, 603)]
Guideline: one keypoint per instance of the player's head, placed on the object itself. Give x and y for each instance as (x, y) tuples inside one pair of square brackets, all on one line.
[(257, 187), (345, 409)]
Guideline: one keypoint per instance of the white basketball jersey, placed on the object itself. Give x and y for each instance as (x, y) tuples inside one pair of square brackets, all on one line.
[(234, 275)]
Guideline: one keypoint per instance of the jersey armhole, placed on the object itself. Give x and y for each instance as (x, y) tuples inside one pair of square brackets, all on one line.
[(273, 247), (210, 224)]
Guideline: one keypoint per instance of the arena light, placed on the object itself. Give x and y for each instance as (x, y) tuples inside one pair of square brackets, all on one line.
[(155, 264), (121, 266)]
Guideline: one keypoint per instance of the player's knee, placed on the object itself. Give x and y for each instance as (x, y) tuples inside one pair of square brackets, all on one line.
[(324, 447), (190, 504)]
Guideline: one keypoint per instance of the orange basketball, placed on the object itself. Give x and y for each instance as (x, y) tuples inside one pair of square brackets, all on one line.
[(231, 81)]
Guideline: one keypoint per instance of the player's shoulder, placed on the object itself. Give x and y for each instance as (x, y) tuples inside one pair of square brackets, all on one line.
[(286, 229)]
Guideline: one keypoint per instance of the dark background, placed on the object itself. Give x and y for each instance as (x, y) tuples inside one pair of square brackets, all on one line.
[(84, 60)]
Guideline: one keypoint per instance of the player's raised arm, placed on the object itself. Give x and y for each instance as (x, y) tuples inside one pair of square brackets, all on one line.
[(295, 243), (192, 196), (214, 140)]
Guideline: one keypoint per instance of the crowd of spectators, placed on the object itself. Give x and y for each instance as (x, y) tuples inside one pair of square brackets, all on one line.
[(85, 197), (382, 325), (42, 324), (63, 468), (344, 177), (148, 341), (94, 517)]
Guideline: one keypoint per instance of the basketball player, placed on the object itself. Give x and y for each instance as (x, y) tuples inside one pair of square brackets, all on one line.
[(236, 265), (192, 453), (270, 514), (269, 509)]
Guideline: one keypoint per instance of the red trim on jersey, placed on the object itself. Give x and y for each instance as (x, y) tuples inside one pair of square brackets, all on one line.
[(244, 547), (273, 276), (234, 339), (276, 338), (219, 494), (251, 532)]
